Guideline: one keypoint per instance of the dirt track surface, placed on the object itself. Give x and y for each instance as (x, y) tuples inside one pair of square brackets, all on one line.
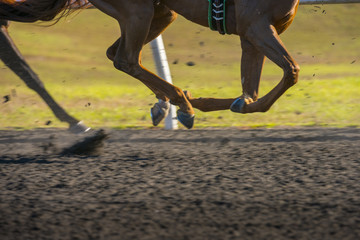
[(198, 184)]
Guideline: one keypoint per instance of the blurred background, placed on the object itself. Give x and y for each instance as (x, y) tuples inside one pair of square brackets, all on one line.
[(70, 59)]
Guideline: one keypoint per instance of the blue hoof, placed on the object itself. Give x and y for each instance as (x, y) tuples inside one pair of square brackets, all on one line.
[(238, 105), (186, 119), (159, 112)]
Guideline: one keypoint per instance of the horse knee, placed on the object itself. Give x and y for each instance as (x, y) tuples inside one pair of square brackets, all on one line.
[(291, 74)]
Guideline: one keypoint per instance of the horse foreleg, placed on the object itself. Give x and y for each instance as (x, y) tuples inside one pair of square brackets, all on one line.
[(161, 108), (134, 33), (128, 60), (163, 17), (12, 57), (265, 38)]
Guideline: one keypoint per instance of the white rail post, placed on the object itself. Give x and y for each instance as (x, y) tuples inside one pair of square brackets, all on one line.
[(162, 67)]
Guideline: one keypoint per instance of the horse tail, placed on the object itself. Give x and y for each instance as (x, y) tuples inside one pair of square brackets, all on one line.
[(34, 10)]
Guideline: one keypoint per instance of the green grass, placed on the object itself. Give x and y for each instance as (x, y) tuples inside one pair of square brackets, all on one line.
[(70, 59)]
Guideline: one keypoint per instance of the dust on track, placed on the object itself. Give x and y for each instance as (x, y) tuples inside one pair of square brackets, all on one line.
[(200, 184)]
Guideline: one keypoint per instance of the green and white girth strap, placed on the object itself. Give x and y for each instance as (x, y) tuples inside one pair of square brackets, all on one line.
[(216, 16)]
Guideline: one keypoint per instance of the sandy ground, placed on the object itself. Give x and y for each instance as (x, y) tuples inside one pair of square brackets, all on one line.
[(198, 184)]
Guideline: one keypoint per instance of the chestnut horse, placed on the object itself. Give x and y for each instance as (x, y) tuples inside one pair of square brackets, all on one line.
[(257, 22)]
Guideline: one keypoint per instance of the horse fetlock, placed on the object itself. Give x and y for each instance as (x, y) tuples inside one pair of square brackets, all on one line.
[(184, 105), (161, 96), (248, 100), (188, 94), (178, 97)]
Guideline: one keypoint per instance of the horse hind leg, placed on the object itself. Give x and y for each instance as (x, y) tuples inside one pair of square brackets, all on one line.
[(252, 61), (11, 56), (266, 39)]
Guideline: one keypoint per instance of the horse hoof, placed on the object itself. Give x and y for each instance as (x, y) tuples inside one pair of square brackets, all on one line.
[(78, 128), (238, 105), (159, 111), (186, 119)]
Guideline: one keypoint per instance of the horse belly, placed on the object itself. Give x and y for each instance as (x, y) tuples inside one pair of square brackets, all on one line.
[(193, 10)]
